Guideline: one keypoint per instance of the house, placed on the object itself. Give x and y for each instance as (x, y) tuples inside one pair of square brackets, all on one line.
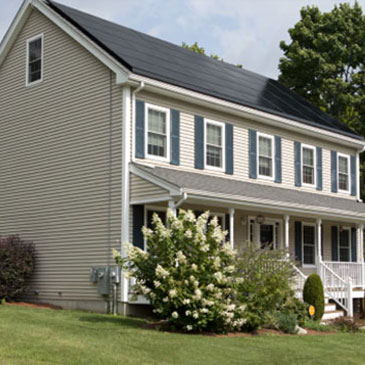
[(101, 126)]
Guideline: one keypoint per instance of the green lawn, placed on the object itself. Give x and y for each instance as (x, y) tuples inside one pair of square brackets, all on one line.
[(42, 336)]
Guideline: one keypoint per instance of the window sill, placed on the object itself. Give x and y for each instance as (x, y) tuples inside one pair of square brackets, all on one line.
[(212, 168), (157, 158)]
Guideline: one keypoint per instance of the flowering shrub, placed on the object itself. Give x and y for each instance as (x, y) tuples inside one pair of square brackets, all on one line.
[(16, 266), (188, 273)]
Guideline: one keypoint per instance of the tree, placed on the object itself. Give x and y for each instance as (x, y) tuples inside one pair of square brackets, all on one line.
[(197, 49)]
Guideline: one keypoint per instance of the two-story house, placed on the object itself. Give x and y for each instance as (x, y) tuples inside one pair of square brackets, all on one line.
[(101, 126)]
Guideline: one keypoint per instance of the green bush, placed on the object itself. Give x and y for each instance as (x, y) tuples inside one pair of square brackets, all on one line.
[(266, 282), (286, 322), (313, 294), (298, 308)]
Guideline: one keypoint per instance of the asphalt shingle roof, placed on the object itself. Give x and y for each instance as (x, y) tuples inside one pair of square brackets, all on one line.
[(151, 57), (220, 185)]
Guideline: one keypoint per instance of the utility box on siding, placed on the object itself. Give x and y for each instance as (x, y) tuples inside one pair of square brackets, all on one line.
[(104, 276)]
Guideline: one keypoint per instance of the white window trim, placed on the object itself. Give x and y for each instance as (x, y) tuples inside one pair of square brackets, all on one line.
[(350, 243), (269, 136), (314, 165), (27, 83), (168, 136), (315, 244), (222, 125), (348, 173), (155, 208)]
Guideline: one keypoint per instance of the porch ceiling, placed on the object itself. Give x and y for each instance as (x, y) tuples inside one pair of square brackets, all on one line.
[(231, 191)]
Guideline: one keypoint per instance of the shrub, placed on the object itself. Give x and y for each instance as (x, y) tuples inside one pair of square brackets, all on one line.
[(266, 282), (188, 273), (313, 294), (346, 325), (16, 266), (298, 308), (287, 322)]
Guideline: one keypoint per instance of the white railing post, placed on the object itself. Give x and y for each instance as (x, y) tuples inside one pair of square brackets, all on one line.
[(286, 237), (349, 298)]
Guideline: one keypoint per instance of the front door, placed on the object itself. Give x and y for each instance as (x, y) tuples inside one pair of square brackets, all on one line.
[(267, 237)]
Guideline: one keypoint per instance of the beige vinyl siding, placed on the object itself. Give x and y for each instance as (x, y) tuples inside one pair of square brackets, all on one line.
[(142, 189), (54, 184), (241, 148)]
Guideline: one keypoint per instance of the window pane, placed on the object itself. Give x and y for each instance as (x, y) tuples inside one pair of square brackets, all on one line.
[(309, 235), (214, 134), (309, 258), (308, 175), (265, 147), (35, 50), (156, 121), (308, 157), (344, 254), (265, 166), (214, 156), (309, 245), (345, 245), (156, 144), (343, 181), (343, 165)]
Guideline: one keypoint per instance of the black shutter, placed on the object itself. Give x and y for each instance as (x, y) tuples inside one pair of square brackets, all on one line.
[(353, 245), (175, 137), (199, 142), (353, 175), (298, 163), (140, 129), (334, 171), (227, 226), (319, 168), (229, 149), (334, 239), (277, 159), (252, 153), (138, 223), (298, 241)]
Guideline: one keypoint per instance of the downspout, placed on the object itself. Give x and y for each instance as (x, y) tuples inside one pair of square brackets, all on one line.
[(128, 97), (173, 206)]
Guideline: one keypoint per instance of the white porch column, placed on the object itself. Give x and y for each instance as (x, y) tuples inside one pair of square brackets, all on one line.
[(286, 233), (319, 239), (172, 207), (360, 243), (231, 227)]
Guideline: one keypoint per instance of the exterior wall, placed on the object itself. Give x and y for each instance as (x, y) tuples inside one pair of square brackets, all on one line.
[(54, 185), (143, 189), (241, 147)]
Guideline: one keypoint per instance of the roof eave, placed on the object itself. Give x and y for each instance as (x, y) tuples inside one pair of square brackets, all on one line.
[(244, 111)]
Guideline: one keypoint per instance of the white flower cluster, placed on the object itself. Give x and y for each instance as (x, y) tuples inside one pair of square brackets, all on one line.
[(161, 272)]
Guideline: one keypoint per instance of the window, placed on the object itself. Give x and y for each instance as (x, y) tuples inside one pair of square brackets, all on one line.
[(158, 129), (265, 155), (309, 245), (344, 244), (34, 60), (214, 151), (343, 172), (308, 165)]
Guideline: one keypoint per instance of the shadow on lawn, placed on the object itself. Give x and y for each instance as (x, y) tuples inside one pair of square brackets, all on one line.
[(117, 320)]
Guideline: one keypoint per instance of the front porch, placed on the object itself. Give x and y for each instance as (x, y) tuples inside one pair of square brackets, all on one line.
[(318, 239)]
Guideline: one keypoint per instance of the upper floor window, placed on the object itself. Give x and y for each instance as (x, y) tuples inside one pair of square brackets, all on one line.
[(34, 72), (158, 130), (265, 155), (214, 151), (308, 165), (343, 172)]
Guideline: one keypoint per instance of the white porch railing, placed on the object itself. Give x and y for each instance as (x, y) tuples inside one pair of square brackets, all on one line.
[(337, 288), (298, 282), (345, 270)]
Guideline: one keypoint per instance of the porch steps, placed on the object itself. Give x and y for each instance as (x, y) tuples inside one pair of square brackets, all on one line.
[(330, 311)]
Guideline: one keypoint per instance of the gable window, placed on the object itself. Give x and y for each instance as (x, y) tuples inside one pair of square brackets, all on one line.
[(34, 72), (308, 165), (158, 130), (265, 155), (343, 172), (214, 151), (344, 244)]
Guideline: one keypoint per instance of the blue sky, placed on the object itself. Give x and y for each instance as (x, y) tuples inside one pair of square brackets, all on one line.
[(241, 31)]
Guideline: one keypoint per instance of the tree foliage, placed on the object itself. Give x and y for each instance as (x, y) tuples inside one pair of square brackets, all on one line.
[(325, 62)]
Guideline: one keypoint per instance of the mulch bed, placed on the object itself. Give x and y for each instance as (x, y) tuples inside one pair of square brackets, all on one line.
[(34, 305)]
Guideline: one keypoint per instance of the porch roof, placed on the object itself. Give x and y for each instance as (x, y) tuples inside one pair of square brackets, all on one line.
[(215, 187)]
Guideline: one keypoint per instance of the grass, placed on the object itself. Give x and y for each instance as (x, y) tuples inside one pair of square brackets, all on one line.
[(42, 336)]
